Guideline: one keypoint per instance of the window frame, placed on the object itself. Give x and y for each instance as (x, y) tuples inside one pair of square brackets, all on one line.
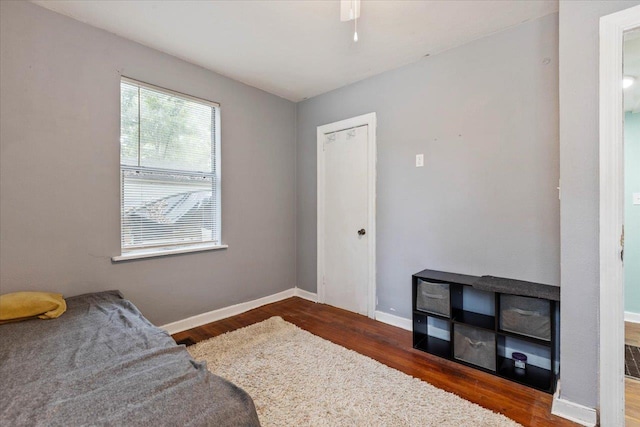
[(150, 252)]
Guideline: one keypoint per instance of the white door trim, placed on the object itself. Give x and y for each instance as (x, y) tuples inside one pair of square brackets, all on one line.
[(370, 121), (611, 331)]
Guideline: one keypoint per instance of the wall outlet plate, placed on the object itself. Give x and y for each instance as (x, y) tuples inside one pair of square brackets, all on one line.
[(419, 160), (636, 198)]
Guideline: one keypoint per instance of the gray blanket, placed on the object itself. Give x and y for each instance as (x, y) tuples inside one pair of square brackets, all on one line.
[(103, 363)]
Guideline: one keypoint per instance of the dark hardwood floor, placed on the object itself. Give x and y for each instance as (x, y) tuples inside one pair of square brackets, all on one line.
[(393, 347)]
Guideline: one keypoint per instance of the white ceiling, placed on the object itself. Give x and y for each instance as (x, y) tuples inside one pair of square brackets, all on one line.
[(299, 49), (632, 68)]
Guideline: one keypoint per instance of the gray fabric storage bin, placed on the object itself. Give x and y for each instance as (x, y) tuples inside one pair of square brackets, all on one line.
[(526, 316), (476, 346), (433, 298)]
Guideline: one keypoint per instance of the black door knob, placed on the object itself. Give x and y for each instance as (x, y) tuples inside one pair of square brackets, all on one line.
[(361, 232)]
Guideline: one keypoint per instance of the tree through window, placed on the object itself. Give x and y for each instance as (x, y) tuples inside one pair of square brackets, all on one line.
[(169, 164)]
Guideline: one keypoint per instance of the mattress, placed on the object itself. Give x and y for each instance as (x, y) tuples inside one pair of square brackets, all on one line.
[(103, 363)]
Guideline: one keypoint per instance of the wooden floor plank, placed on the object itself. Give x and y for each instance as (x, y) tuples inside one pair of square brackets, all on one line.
[(393, 347), (632, 402)]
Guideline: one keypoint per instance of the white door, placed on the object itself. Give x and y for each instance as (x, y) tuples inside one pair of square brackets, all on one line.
[(346, 217)]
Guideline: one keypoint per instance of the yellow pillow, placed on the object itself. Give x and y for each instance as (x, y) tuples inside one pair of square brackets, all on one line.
[(26, 305)]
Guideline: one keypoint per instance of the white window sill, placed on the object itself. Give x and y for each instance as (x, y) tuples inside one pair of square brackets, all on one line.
[(156, 252)]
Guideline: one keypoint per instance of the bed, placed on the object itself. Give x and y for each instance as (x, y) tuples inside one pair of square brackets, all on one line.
[(103, 363)]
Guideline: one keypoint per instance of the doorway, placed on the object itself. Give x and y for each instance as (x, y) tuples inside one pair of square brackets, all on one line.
[(613, 29), (631, 261), (346, 214)]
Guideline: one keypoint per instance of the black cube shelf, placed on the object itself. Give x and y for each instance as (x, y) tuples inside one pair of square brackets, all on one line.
[(488, 334)]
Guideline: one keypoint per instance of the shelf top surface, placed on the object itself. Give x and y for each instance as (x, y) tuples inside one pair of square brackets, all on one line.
[(518, 287), (444, 276), (494, 284)]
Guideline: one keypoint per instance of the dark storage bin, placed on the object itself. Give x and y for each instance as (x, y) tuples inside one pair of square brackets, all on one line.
[(526, 316), (433, 298), (475, 346)]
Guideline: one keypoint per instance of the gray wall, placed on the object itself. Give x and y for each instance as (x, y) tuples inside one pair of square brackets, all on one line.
[(59, 172), (579, 56), (485, 115)]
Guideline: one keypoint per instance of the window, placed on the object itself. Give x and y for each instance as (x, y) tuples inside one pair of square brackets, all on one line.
[(169, 168)]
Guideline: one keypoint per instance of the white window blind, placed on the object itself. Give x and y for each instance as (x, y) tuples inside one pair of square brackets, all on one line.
[(169, 165)]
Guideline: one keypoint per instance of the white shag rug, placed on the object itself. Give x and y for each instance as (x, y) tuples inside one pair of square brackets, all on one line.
[(299, 379)]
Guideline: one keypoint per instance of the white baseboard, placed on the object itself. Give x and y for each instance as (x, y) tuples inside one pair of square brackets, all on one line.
[(393, 320), (631, 317), (313, 297), (223, 313), (575, 412)]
